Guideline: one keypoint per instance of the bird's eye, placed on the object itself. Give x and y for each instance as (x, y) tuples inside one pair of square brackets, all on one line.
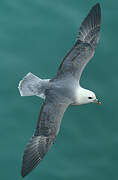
[(89, 97)]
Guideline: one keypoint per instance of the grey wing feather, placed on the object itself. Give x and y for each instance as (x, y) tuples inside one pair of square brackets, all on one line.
[(33, 153), (90, 28), (46, 131), (85, 45)]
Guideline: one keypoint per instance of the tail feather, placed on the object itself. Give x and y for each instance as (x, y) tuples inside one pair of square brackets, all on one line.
[(32, 85)]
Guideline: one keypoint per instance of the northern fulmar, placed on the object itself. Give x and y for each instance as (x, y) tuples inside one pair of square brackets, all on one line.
[(61, 91)]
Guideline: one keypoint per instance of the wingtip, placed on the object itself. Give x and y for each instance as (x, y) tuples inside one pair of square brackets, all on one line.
[(97, 8), (97, 11), (23, 173), (90, 27), (97, 5)]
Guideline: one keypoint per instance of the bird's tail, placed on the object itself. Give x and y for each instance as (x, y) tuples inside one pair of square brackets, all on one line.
[(32, 85)]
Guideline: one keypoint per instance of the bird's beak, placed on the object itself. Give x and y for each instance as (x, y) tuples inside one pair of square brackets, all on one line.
[(97, 102)]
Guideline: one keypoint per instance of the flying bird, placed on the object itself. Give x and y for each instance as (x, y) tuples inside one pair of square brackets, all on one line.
[(61, 91)]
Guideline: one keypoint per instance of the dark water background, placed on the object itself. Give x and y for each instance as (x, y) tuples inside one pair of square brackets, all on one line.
[(34, 37)]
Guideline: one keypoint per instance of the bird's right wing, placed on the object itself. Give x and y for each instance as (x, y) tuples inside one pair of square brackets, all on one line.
[(46, 131), (84, 48)]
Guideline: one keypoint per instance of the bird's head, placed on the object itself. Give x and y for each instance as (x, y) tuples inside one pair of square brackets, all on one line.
[(87, 96)]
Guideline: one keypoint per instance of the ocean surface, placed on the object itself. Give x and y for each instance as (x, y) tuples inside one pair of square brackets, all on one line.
[(34, 37)]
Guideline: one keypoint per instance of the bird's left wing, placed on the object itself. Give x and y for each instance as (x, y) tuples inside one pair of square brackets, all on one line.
[(46, 131), (84, 48)]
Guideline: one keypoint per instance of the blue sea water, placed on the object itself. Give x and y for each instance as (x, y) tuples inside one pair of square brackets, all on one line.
[(34, 37)]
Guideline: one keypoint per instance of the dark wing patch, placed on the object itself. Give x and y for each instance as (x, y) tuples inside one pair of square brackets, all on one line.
[(84, 48), (90, 28), (46, 131), (35, 150)]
